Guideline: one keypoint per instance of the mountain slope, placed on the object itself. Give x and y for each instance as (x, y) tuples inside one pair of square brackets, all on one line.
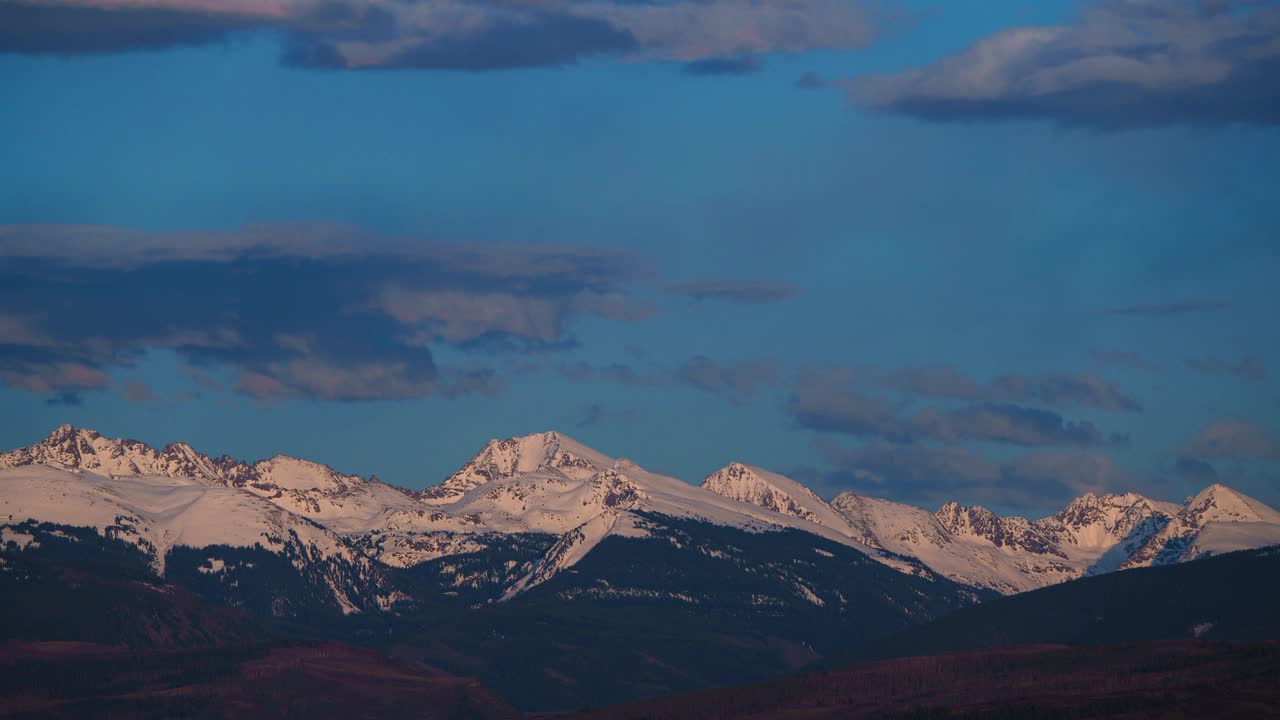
[(160, 516)]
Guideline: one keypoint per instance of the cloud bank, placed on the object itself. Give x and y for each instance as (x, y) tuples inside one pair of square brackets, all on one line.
[(707, 36), (293, 310)]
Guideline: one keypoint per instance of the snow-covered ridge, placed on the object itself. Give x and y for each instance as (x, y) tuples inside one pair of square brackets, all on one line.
[(549, 484), (157, 514)]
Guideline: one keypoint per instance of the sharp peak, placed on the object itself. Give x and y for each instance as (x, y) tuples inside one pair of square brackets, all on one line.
[(69, 429), (1216, 489), (738, 466), (545, 435), (957, 505)]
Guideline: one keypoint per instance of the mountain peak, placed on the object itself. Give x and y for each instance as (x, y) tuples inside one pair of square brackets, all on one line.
[(780, 494), (549, 451), (1221, 503)]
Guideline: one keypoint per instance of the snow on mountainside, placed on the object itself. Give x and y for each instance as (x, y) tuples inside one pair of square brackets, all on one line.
[(344, 503), (975, 546), (549, 486), (970, 557), (1215, 521), (549, 483), (158, 514), (772, 492)]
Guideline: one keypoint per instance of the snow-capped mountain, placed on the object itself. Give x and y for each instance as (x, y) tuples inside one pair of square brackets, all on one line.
[(548, 483), (567, 499), (975, 546), (343, 503), (159, 515)]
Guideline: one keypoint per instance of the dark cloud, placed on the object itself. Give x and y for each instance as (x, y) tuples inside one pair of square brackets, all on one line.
[(82, 29), (1250, 367), (735, 383), (1197, 472), (1232, 439), (810, 81), (747, 292), (1011, 424), (67, 398), (745, 65), (1180, 308), (1122, 64), (709, 36), (830, 401), (290, 311), (596, 414), (1064, 390), (835, 401)]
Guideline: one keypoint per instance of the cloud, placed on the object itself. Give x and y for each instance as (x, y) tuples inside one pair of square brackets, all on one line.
[(723, 66), (1062, 390), (42, 373), (66, 398), (460, 316), (1055, 390), (924, 474), (1250, 367), (596, 414), (136, 391), (836, 401), (709, 36), (1181, 308), (1232, 439), (810, 81), (538, 38), (74, 28), (1198, 472), (933, 381), (289, 311), (1120, 358), (736, 383), (1011, 424), (1122, 64), (744, 292), (830, 401)]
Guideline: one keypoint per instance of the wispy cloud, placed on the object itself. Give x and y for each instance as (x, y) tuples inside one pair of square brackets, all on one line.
[(829, 402), (724, 66), (747, 292), (1232, 439), (1178, 308), (737, 382), (1252, 367)]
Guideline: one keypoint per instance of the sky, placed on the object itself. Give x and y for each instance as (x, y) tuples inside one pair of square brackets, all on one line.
[(1003, 252)]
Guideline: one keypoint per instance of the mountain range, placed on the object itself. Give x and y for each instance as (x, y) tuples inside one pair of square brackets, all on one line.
[(551, 486), (624, 584)]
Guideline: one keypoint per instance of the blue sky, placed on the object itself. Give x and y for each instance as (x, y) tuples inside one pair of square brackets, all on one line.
[(999, 254)]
